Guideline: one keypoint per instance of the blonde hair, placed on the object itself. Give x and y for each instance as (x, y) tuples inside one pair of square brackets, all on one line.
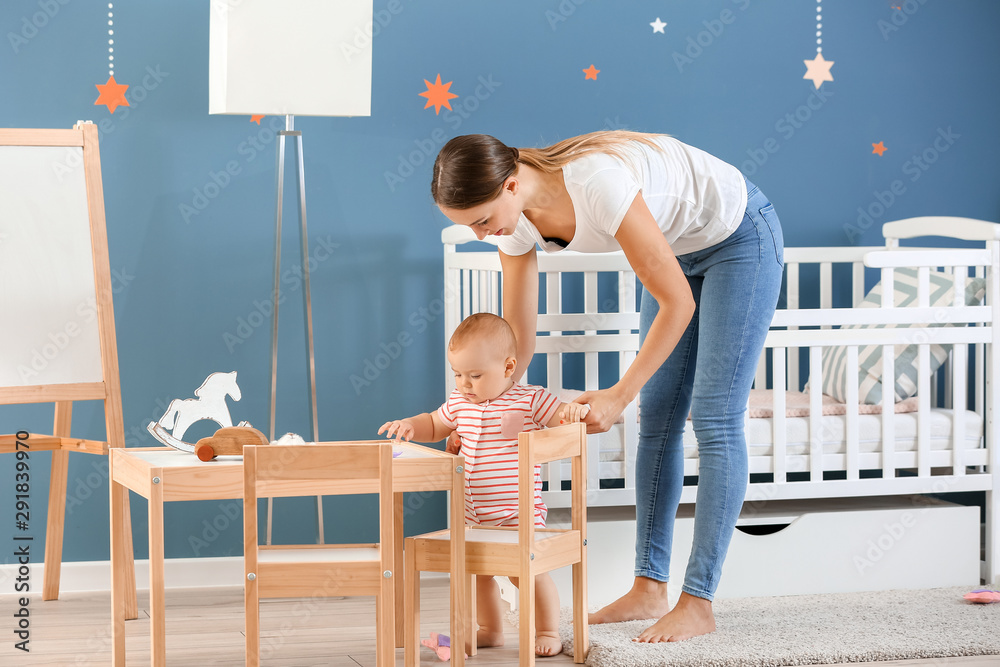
[(485, 325), (471, 169), (556, 156)]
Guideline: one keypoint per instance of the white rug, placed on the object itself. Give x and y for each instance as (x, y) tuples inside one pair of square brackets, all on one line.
[(812, 629)]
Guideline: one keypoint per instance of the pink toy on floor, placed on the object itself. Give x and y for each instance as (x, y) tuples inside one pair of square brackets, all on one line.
[(440, 644), (983, 596)]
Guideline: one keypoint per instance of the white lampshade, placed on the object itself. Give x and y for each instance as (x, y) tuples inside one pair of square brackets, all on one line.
[(290, 57)]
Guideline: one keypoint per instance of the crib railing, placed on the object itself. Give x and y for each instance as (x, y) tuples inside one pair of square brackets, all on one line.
[(807, 321)]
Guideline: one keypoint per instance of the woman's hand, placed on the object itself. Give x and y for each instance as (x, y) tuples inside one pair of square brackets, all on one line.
[(454, 445), (400, 429), (606, 406)]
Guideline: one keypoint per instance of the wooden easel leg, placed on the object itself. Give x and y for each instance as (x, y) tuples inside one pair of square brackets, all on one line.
[(57, 504)]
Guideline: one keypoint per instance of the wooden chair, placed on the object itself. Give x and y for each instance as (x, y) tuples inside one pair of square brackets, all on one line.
[(319, 570), (523, 551)]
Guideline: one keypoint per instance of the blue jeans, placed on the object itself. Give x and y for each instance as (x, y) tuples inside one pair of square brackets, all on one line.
[(735, 285)]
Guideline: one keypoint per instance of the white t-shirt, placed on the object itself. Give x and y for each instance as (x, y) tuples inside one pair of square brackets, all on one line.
[(697, 199)]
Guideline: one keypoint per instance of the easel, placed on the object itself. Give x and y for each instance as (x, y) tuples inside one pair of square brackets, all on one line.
[(62, 206)]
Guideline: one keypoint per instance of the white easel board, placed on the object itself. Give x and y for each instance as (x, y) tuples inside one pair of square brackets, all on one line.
[(46, 269)]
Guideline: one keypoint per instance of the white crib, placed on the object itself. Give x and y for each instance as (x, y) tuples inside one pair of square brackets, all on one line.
[(938, 448)]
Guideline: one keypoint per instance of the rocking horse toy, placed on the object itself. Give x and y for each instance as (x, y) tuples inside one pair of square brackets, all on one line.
[(209, 404)]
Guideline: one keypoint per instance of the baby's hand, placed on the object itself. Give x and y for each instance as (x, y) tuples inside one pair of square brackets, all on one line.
[(454, 445), (400, 429), (573, 412)]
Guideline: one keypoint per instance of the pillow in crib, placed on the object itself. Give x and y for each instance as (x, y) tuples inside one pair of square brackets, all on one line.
[(869, 377)]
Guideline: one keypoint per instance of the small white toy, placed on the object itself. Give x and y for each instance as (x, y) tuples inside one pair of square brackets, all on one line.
[(210, 404)]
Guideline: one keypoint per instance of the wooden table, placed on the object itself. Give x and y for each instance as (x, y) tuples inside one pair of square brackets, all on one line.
[(163, 474)]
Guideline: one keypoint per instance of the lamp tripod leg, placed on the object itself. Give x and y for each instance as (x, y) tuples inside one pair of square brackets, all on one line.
[(279, 191), (310, 351)]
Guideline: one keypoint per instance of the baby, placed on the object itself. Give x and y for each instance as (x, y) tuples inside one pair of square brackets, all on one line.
[(488, 410)]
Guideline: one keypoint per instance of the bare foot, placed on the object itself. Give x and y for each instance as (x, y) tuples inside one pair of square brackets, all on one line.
[(548, 645), (647, 599), (487, 638), (692, 616)]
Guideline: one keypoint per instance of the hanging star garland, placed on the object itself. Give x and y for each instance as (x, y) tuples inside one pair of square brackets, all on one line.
[(818, 69), (879, 148), (112, 93), (658, 25), (437, 95), (591, 73)]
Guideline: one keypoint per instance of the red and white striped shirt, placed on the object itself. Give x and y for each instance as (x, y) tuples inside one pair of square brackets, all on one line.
[(489, 443)]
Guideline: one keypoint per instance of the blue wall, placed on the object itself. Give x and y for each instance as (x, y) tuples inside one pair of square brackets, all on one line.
[(194, 261)]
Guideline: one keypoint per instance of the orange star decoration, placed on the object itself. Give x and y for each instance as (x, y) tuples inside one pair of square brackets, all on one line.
[(818, 70), (879, 148), (437, 95), (591, 73), (112, 94), (257, 119)]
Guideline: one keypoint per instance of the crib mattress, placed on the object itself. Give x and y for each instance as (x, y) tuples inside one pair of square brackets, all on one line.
[(832, 431)]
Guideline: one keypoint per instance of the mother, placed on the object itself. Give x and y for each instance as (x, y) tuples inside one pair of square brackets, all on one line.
[(707, 247)]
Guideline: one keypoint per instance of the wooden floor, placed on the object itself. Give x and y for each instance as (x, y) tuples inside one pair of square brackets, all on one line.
[(205, 628)]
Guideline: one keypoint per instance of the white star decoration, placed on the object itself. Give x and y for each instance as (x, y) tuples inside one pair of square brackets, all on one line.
[(818, 70), (658, 25)]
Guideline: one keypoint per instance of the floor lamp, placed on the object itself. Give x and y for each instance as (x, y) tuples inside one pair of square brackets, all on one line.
[(290, 58)]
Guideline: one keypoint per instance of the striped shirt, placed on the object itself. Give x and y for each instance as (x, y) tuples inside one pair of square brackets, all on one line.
[(489, 444)]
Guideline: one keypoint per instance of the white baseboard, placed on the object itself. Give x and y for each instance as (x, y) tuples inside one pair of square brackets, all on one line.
[(91, 576)]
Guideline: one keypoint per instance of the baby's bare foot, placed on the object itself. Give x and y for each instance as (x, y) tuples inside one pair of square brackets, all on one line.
[(487, 638), (548, 645)]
